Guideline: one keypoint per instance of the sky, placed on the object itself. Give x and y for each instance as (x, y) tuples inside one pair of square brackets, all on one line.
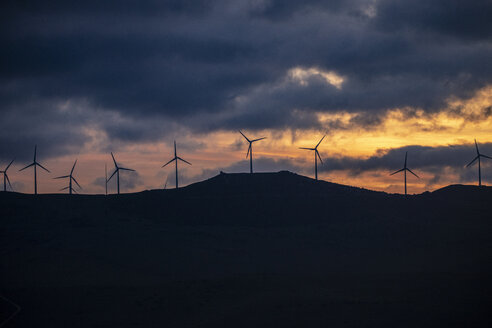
[(378, 77)]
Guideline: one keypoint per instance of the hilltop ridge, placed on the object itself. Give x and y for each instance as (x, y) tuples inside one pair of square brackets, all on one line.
[(280, 198), (278, 183), (281, 182)]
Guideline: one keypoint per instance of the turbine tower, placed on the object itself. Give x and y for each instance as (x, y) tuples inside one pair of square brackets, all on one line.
[(250, 150), (106, 178), (6, 177), (479, 167), (117, 172), (70, 179), (175, 158), (404, 170), (316, 156), (35, 164)]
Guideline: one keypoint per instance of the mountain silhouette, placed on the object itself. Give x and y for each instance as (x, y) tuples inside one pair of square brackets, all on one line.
[(244, 250)]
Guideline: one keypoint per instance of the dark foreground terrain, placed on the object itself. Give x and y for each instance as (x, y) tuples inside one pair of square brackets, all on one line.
[(240, 250)]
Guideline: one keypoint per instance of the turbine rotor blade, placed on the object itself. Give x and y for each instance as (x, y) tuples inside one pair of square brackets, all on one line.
[(125, 169), (307, 148), (486, 156), (413, 173), (249, 149), (476, 146), (169, 162), (64, 188), (244, 136), (317, 153), (73, 167), (401, 170), (75, 181), (184, 160), (258, 139), (41, 166), (113, 174), (35, 147), (472, 161), (62, 177), (32, 164), (116, 165), (8, 180), (320, 141), (9, 165)]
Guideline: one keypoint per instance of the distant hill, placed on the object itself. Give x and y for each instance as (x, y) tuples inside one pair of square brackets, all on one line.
[(283, 182), (248, 250), (260, 198)]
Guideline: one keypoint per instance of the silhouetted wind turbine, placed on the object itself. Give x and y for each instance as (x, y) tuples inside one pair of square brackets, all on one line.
[(6, 177), (404, 170), (106, 178), (316, 156), (117, 172), (479, 167), (70, 179), (35, 164), (176, 157), (250, 150)]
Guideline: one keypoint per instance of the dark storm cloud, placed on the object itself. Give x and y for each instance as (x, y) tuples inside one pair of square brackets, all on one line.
[(455, 18), (42, 123), (284, 9), (215, 65), (94, 6)]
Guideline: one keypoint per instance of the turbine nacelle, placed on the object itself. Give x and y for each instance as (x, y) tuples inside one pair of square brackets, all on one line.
[(316, 156), (175, 159), (405, 169), (250, 150), (35, 164), (71, 178), (477, 158), (116, 171)]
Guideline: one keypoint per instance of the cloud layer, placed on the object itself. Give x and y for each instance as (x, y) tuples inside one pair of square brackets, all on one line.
[(230, 60)]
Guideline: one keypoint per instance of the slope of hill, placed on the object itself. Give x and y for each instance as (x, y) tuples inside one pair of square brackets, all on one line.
[(241, 250)]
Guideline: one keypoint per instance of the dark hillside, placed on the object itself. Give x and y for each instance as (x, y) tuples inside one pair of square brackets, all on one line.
[(241, 250)]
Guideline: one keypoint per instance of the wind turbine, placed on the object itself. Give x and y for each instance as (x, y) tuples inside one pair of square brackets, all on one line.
[(35, 164), (404, 170), (106, 178), (316, 156), (479, 167), (250, 150), (6, 177), (117, 172), (70, 179), (175, 158)]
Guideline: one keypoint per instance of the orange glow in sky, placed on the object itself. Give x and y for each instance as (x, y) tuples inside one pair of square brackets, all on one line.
[(460, 123)]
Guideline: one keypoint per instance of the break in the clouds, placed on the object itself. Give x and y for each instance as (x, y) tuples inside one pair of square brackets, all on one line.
[(221, 65), (439, 162), (421, 157)]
